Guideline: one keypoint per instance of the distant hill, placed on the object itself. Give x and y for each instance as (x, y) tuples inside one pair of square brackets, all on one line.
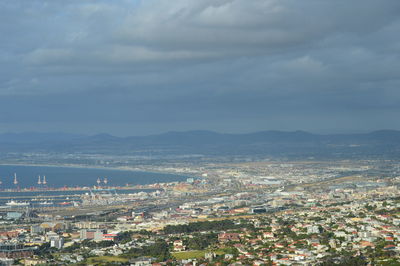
[(273, 143), (36, 137)]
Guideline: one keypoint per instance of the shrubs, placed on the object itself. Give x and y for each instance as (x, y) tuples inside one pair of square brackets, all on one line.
[(203, 226)]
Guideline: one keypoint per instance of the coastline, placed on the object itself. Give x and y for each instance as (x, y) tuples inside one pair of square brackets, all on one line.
[(150, 179), (80, 166), (73, 189)]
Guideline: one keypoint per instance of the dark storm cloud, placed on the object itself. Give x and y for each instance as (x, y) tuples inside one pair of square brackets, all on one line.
[(134, 67)]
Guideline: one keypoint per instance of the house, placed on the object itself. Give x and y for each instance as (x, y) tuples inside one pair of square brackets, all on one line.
[(209, 256), (228, 256), (142, 261), (9, 234), (390, 247), (32, 261), (225, 237), (366, 244), (268, 235), (178, 245), (110, 236)]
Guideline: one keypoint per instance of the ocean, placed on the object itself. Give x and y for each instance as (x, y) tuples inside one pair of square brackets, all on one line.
[(57, 177)]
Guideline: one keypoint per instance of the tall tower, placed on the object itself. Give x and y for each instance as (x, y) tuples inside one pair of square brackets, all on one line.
[(39, 182), (15, 179), (98, 181), (44, 180), (105, 181)]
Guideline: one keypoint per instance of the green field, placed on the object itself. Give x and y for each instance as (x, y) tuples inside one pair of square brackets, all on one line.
[(193, 254), (105, 259)]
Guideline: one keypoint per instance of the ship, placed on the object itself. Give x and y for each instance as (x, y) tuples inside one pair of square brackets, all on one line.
[(17, 203), (46, 203)]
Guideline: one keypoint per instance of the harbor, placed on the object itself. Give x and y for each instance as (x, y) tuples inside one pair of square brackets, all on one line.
[(67, 198)]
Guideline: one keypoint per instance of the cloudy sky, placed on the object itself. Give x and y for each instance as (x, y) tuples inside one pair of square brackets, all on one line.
[(135, 67)]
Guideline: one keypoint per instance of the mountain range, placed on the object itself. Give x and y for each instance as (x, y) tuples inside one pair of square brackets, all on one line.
[(278, 143)]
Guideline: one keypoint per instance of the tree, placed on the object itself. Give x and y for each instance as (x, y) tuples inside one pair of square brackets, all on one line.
[(159, 250), (202, 241)]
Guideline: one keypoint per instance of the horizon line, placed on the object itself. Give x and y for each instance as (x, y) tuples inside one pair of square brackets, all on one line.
[(362, 132)]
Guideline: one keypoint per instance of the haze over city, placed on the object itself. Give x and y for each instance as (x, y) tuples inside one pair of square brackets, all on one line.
[(144, 67)]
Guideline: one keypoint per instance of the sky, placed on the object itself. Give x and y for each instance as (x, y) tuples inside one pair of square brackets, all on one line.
[(131, 67)]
